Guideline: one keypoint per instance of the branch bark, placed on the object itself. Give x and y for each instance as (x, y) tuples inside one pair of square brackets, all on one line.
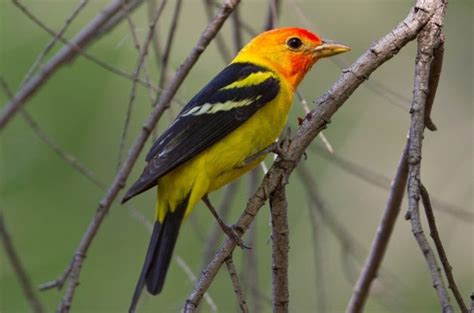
[(236, 284), (428, 39), (380, 52), (382, 237), (66, 54), (425, 197), (280, 247), (119, 180)]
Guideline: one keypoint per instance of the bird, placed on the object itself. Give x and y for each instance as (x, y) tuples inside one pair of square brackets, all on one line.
[(238, 114)]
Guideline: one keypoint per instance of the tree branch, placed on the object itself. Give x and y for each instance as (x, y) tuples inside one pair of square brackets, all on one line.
[(66, 54), (382, 237), (236, 284), (119, 180), (19, 269), (425, 197), (280, 247), (427, 41), (328, 104)]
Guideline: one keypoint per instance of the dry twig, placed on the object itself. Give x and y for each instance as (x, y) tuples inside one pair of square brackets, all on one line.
[(65, 55), (236, 284), (428, 39), (19, 269), (382, 237), (140, 62), (448, 270), (329, 103), (119, 180)]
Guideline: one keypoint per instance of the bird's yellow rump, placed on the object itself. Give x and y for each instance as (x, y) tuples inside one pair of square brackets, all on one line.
[(238, 114)]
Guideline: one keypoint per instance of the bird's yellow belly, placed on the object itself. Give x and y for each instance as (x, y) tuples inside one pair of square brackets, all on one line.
[(223, 162)]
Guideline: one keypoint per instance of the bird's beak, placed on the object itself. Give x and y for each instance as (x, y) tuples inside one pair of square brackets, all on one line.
[(329, 48)]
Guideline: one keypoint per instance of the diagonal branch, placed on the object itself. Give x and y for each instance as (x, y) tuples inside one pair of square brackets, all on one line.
[(236, 284), (119, 180), (380, 52), (19, 269), (425, 197), (65, 55), (382, 237), (39, 60)]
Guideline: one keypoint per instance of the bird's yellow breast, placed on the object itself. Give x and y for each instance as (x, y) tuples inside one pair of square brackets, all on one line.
[(222, 162)]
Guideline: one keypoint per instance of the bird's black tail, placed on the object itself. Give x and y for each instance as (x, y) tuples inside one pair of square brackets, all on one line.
[(159, 254)]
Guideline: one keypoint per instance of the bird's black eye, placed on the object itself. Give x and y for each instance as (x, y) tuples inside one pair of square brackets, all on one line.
[(294, 43)]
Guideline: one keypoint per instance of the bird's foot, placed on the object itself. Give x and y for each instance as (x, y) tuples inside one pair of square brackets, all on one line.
[(231, 232)]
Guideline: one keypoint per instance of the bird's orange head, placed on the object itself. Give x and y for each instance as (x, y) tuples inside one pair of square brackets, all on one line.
[(290, 51)]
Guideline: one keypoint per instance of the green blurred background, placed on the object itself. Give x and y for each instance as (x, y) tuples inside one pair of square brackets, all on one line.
[(48, 205)]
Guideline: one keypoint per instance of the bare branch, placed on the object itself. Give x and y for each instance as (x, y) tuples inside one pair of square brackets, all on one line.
[(427, 41), (236, 284), (140, 62), (382, 237), (237, 30), (39, 61), (169, 43), (220, 42), (425, 197), (19, 269), (280, 247), (382, 181), (350, 246), (119, 180), (272, 15), (347, 83), (65, 55)]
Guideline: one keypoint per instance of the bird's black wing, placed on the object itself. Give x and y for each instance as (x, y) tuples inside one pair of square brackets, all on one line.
[(230, 99)]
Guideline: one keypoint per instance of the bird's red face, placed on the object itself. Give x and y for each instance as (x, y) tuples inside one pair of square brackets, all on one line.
[(290, 51)]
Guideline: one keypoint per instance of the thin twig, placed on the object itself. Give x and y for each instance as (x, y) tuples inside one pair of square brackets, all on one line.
[(272, 15), (382, 181), (136, 43), (119, 180), (425, 197), (192, 277), (43, 136), (280, 247), (350, 247), (169, 44), (382, 237), (236, 284), (427, 40), (237, 30), (65, 55), (221, 45), (111, 23), (328, 104), (39, 60), (156, 44), (307, 110), (140, 62), (18, 268)]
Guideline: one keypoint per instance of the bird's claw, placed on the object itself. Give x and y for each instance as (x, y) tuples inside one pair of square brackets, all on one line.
[(231, 232)]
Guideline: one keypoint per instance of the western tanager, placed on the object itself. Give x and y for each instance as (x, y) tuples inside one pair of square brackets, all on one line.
[(236, 115)]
